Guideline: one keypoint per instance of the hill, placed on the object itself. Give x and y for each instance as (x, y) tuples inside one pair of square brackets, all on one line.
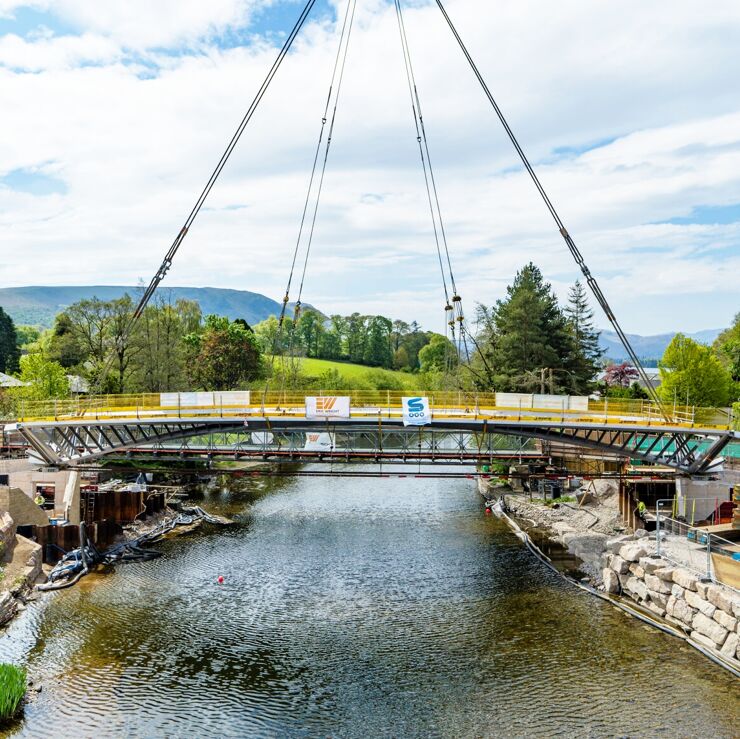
[(37, 306), (649, 347)]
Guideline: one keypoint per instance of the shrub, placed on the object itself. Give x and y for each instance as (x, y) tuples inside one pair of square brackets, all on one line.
[(12, 690)]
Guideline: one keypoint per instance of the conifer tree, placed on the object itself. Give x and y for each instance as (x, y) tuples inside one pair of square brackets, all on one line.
[(583, 364), (532, 341), (10, 354)]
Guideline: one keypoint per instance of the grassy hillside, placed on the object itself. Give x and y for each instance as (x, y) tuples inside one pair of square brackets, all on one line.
[(37, 306), (354, 372)]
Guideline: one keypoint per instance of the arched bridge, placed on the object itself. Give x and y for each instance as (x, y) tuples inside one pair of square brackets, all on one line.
[(369, 427)]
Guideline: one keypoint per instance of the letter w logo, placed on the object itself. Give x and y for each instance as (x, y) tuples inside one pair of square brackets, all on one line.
[(323, 405)]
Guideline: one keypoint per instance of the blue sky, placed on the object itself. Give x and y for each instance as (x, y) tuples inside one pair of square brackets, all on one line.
[(116, 112)]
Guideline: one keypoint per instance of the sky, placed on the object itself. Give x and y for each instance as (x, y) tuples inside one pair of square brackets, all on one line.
[(113, 115)]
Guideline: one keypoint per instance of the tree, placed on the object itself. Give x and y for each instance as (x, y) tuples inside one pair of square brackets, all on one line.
[(64, 346), (438, 355), (378, 342), (525, 334), (27, 335), (727, 348), (224, 356), (159, 364), (9, 351), (690, 373), (46, 379), (583, 364), (620, 375)]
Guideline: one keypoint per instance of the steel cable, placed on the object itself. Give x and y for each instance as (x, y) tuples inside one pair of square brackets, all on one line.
[(578, 257)]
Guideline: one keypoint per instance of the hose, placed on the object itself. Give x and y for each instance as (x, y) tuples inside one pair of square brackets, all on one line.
[(499, 509)]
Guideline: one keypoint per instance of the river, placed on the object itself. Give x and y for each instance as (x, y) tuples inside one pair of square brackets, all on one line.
[(353, 608)]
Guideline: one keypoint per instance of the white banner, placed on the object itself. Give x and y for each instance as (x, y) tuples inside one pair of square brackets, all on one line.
[(330, 406), (319, 442), (416, 411), (205, 400)]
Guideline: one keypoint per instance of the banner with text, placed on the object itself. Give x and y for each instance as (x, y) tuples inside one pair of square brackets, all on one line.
[(330, 406), (416, 411), (319, 442)]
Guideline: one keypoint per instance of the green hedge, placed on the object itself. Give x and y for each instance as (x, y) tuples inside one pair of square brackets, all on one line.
[(736, 415)]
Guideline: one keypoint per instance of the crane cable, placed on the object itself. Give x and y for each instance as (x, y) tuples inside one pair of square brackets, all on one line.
[(577, 256), (454, 315), (169, 257), (338, 68), (335, 91)]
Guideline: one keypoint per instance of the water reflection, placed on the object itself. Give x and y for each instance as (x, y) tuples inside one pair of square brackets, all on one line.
[(353, 608)]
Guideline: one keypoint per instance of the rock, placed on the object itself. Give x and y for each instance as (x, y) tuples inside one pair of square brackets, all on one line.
[(702, 587), (722, 618), (685, 579), (701, 605), (619, 565), (703, 640), (678, 591), (562, 528), (720, 598), (709, 628), (665, 573), (640, 533), (637, 571), (611, 580), (660, 598), (655, 608), (681, 610), (730, 647), (656, 584), (614, 545), (632, 552), (651, 565), (637, 587)]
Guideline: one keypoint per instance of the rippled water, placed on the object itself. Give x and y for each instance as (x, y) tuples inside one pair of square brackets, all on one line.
[(354, 608)]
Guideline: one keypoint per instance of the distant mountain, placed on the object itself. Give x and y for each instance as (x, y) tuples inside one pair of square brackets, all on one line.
[(649, 347), (37, 306)]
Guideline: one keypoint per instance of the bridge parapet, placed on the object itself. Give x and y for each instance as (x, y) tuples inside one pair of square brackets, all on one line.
[(367, 404)]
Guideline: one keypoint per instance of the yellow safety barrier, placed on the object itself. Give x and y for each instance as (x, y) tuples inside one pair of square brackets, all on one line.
[(383, 404)]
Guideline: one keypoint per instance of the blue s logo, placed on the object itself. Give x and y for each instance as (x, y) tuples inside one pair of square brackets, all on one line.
[(416, 405)]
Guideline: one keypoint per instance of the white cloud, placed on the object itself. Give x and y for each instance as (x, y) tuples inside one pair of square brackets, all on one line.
[(134, 151)]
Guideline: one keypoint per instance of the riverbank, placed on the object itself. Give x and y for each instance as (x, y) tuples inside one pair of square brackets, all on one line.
[(624, 564), (21, 569)]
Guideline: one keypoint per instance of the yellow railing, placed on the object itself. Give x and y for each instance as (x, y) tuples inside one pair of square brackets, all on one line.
[(369, 403)]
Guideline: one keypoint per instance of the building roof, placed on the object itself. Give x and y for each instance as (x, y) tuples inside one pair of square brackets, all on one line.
[(8, 381)]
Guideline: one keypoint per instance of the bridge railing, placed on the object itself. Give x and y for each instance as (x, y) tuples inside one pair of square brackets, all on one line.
[(453, 404)]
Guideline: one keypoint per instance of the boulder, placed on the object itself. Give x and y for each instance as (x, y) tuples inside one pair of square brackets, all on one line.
[(651, 564), (614, 545), (632, 552), (8, 606), (685, 579), (656, 584), (678, 591), (660, 598), (720, 598), (701, 605), (722, 618), (637, 571), (655, 608), (640, 533), (611, 580), (637, 587), (665, 573), (705, 641), (730, 647), (681, 610), (702, 587), (710, 628), (619, 565)]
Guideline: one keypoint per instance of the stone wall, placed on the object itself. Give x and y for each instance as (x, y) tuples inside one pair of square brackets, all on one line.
[(708, 613)]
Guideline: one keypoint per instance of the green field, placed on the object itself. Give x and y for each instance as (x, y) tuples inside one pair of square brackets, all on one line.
[(354, 372)]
